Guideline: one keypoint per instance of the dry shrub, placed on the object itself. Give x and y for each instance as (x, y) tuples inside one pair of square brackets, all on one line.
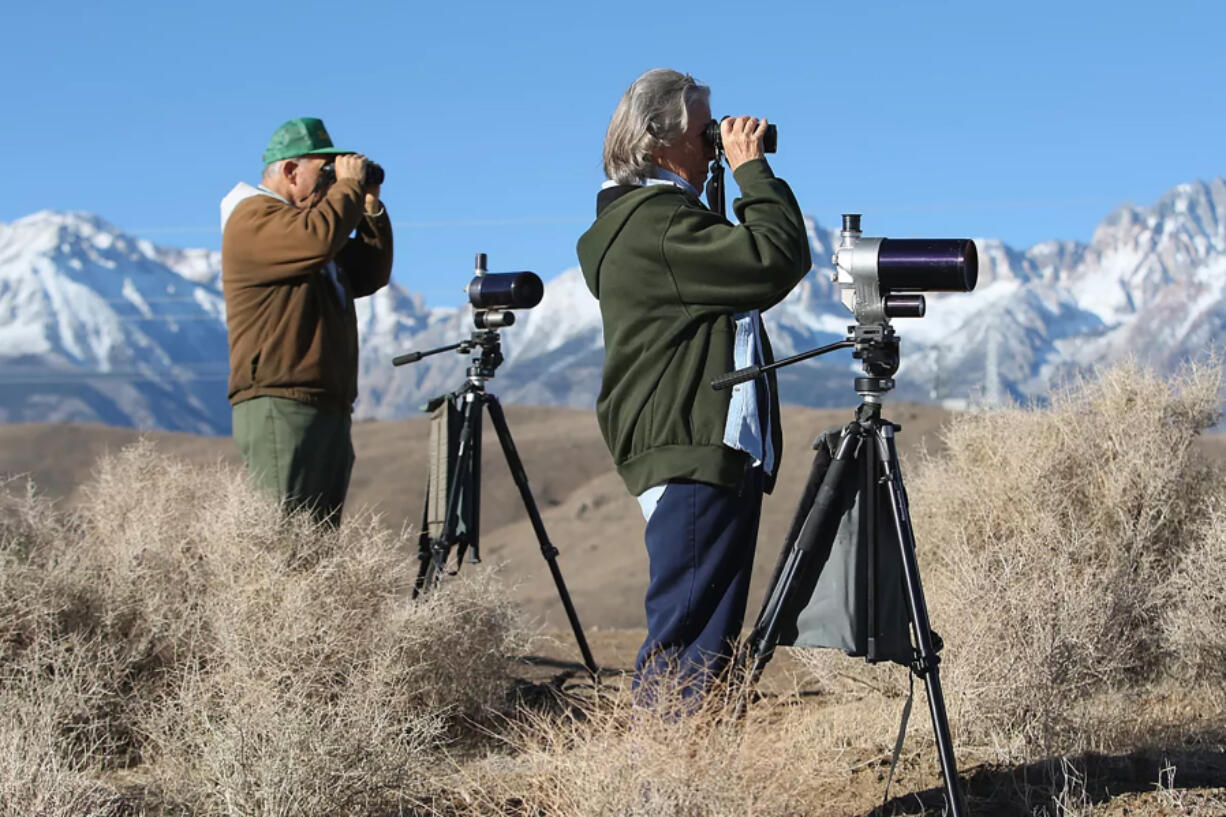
[(44, 754), (48, 686), (1194, 621), (254, 663), (60, 636), (1049, 537)]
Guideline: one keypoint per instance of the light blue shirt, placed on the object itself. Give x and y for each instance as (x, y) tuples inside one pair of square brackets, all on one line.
[(748, 428), (660, 176)]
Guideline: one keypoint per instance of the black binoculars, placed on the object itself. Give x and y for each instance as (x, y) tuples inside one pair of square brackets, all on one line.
[(770, 139), (374, 174)]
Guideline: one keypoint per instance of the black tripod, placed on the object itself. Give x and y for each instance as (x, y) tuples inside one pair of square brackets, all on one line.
[(865, 453), (461, 486)]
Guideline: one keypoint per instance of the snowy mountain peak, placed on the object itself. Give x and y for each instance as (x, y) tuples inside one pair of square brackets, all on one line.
[(97, 324)]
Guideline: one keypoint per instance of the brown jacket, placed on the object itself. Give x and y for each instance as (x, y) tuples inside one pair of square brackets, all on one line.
[(292, 333)]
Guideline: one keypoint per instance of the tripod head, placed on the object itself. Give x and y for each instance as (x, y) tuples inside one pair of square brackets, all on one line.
[(484, 348), (875, 345), (485, 355)]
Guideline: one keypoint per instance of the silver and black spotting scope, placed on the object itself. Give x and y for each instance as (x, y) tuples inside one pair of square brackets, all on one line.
[(882, 278)]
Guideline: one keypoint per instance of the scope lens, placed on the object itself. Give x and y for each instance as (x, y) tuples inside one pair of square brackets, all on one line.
[(927, 265), (505, 290)]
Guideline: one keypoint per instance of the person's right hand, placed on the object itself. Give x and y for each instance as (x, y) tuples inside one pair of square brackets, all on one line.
[(742, 137), (351, 166)]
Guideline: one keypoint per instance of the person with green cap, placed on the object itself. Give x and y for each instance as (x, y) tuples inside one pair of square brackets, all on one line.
[(290, 271)]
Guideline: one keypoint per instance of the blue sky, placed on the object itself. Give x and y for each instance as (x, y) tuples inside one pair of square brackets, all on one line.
[(1023, 121)]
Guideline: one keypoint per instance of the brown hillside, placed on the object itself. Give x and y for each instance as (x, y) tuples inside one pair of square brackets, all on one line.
[(589, 516)]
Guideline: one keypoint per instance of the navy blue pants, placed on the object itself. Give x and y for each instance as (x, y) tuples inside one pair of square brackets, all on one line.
[(700, 544)]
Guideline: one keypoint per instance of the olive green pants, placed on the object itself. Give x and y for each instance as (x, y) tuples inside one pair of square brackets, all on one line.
[(296, 452)]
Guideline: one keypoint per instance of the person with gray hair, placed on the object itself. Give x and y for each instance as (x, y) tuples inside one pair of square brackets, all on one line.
[(653, 113), (681, 290)]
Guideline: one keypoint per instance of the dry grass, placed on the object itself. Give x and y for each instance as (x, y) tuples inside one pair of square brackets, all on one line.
[(175, 645), (1070, 564), (608, 756), (1053, 540), (250, 663)]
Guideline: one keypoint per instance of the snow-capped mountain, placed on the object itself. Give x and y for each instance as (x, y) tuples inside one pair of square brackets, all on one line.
[(98, 325)]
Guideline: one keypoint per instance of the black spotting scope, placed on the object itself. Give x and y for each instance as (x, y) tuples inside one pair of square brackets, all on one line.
[(505, 290)]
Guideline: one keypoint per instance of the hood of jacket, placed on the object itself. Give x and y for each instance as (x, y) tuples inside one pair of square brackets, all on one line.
[(614, 207), (241, 192)]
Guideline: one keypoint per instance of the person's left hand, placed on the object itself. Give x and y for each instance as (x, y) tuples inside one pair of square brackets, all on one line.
[(373, 205)]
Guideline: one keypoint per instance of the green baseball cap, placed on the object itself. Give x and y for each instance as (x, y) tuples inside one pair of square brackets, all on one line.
[(300, 137)]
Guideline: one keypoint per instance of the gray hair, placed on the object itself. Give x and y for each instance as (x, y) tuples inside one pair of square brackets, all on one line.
[(273, 169), (653, 112)]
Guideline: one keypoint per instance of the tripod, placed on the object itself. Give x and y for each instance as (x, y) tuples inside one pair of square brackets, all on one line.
[(865, 452), (461, 487)]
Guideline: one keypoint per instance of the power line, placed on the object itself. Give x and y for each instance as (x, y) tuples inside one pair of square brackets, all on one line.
[(127, 377), (201, 370), (523, 221)]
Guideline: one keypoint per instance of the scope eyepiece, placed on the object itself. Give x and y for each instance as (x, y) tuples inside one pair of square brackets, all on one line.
[(505, 290), (905, 306)]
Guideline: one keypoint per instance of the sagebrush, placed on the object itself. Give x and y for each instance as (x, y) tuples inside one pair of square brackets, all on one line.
[(178, 645), (1066, 549), (248, 661)]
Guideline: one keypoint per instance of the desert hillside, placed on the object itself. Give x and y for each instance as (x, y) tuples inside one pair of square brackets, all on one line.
[(589, 516)]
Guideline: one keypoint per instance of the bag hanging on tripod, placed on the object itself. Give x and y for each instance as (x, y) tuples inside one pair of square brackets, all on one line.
[(851, 595), (445, 421)]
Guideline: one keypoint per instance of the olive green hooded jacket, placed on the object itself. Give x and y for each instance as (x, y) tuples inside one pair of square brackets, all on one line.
[(670, 276)]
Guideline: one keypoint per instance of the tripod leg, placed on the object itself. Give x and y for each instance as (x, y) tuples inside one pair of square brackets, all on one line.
[(472, 496), (425, 553), (926, 663), (547, 549)]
